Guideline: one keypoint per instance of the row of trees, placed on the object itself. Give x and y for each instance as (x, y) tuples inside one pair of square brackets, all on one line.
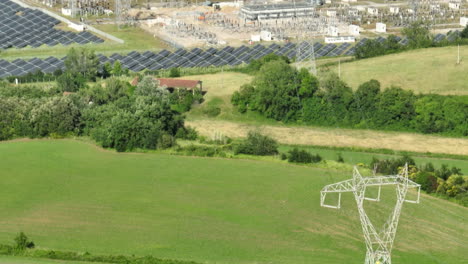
[(283, 93), (114, 113), (445, 181), (418, 35)]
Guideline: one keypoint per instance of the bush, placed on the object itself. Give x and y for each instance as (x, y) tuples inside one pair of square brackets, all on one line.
[(340, 158), (187, 133), (302, 156), (22, 242), (257, 144), (175, 72), (212, 110)]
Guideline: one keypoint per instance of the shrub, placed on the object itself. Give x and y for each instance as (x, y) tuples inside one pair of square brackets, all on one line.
[(187, 133), (174, 72), (22, 242), (257, 144), (212, 110), (340, 158), (302, 156)]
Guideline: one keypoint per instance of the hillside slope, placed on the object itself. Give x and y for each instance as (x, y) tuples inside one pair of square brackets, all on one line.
[(432, 70), (68, 195)]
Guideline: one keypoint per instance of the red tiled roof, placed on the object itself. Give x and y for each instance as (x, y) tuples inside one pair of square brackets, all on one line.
[(178, 83), (173, 83)]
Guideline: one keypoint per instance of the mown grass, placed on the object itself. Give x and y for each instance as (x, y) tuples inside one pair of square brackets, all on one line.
[(136, 39), (69, 195), (24, 260), (432, 70)]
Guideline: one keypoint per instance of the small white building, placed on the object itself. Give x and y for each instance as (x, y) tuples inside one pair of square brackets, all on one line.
[(328, 1), (394, 10), (373, 11), (454, 5), (331, 13), (410, 11), (353, 30), (361, 8), (463, 21), (66, 11), (381, 27), (265, 35), (333, 31), (255, 38)]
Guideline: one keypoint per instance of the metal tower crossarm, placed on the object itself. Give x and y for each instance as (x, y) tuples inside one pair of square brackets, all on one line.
[(378, 243)]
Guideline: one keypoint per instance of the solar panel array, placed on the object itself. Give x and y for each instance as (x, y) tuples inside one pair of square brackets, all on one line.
[(21, 27), (185, 58)]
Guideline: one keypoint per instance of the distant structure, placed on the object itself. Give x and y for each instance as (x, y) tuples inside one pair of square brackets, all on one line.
[(378, 242), (276, 11)]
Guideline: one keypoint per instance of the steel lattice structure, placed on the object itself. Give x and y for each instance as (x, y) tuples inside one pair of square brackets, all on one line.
[(378, 242)]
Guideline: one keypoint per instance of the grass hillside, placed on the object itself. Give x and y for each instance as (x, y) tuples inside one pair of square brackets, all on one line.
[(69, 195), (431, 70)]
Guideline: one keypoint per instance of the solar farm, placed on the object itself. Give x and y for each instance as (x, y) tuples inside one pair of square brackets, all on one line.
[(21, 27), (197, 57)]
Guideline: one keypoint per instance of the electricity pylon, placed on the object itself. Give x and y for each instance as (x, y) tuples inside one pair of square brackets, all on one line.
[(378, 242)]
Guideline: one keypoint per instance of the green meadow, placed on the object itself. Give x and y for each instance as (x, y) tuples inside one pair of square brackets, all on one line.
[(71, 195)]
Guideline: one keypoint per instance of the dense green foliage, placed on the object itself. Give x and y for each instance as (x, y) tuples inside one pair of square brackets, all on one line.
[(281, 92), (257, 144), (464, 33), (373, 48), (302, 156), (114, 114), (445, 181)]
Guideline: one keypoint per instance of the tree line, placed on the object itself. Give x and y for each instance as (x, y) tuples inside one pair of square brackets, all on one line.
[(444, 181), (281, 92), (113, 113)]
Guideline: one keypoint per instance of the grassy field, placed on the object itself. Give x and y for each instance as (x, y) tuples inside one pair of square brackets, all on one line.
[(431, 70), (69, 195), (135, 39), (23, 260)]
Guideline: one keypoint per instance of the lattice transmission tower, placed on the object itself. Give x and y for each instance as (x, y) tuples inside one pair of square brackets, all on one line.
[(379, 243), (121, 9)]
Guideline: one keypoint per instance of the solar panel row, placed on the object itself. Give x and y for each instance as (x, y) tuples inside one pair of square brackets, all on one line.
[(185, 58), (21, 27)]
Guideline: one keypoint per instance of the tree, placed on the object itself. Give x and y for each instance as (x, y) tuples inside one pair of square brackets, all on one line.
[(395, 108), (418, 35), (429, 114), (365, 100), (117, 68), (57, 115), (149, 86), (464, 33), (69, 82), (276, 89), (82, 62), (106, 70), (309, 84)]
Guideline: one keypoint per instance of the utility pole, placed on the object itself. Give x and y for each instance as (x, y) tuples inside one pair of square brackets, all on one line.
[(458, 59)]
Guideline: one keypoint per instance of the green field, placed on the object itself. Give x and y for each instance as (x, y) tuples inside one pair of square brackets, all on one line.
[(70, 195), (432, 70)]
